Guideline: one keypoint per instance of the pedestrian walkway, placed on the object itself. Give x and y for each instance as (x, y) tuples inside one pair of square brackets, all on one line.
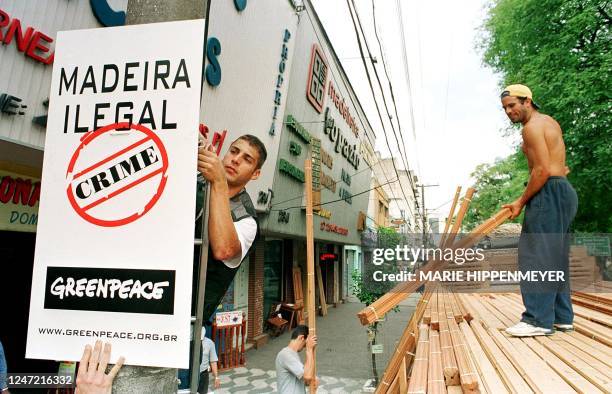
[(344, 362)]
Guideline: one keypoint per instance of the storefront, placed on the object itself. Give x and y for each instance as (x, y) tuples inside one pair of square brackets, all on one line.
[(323, 118)]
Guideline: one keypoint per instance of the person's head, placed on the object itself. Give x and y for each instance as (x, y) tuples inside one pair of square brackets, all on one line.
[(243, 160), (518, 103), (298, 337)]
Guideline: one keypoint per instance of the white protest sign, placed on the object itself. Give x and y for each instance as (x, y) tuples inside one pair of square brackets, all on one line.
[(114, 246)]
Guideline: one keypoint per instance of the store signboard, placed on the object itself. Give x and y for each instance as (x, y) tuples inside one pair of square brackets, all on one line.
[(231, 318), (19, 195), (115, 226)]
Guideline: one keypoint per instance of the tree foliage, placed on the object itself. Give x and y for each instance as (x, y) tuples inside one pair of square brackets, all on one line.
[(496, 184), (561, 49)]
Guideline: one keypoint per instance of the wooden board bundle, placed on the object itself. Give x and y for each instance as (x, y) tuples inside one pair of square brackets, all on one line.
[(418, 377)]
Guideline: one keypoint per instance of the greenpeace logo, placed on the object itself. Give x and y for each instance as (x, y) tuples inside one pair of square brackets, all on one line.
[(110, 290)]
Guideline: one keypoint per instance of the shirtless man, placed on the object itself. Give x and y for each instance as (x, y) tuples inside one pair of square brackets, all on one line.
[(550, 204)]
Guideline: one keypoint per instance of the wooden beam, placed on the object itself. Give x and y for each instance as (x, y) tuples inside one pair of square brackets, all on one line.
[(449, 219), (312, 317)]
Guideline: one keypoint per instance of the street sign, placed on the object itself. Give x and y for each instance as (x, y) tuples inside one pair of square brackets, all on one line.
[(114, 246)]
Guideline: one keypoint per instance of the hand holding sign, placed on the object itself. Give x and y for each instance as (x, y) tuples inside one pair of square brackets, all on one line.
[(210, 165), (92, 377)]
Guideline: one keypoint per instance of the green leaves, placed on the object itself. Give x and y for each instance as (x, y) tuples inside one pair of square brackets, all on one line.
[(562, 50)]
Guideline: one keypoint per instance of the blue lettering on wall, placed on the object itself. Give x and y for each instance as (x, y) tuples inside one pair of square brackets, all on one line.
[(240, 4), (106, 15), (280, 79), (213, 70)]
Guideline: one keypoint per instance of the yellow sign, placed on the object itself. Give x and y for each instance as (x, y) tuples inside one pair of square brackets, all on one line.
[(19, 195)]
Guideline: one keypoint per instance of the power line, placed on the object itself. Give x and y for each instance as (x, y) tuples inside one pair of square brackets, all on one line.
[(369, 167), (374, 95), (382, 54), (407, 71), (340, 199)]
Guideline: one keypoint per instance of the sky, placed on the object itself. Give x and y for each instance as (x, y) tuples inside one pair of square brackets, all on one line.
[(455, 98)]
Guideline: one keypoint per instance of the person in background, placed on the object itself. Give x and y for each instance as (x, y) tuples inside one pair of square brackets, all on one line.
[(292, 376), (208, 364), (91, 376), (3, 371)]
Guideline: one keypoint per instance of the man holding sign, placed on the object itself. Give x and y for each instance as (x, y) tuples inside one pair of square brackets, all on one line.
[(232, 220)]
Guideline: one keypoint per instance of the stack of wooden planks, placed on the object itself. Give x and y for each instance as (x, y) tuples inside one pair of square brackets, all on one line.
[(460, 352)]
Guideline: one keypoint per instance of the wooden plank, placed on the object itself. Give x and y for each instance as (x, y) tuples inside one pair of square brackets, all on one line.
[(449, 363), (449, 219), (491, 380), (435, 318), (467, 199), (584, 356), (405, 347), (511, 376), (588, 372), (490, 320), (310, 259), (593, 316), (467, 371), (322, 299), (418, 375), (597, 349), (572, 377), (435, 375), (592, 330), (540, 376), (403, 379)]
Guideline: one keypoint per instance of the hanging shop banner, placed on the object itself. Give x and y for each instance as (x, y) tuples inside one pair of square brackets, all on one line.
[(114, 246), (249, 56), (19, 195)]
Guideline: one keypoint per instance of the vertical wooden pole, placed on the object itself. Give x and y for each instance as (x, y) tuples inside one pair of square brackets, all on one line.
[(310, 269), (450, 217)]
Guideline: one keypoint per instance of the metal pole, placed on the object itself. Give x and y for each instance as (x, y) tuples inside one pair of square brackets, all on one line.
[(135, 379)]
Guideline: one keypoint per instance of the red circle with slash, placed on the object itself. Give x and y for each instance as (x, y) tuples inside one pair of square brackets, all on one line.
[(125, 175)]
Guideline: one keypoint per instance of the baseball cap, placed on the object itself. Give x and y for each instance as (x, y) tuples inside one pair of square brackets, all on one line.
[(519, 90)]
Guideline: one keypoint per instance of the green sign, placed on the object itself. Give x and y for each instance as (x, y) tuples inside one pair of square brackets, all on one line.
[(298, 129), (291, 170), (597, 245)]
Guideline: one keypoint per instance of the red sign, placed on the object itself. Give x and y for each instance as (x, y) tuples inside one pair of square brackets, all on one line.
[(114, 180), (333, 228), (317, 79), (328, 257), (33, 43)]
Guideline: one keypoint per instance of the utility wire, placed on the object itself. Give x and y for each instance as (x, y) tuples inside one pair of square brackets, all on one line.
[(407, 71), (348, 2), (340, 199), (382, 54)]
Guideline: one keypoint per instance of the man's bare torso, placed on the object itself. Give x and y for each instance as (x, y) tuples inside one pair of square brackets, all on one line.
[(553, 137)]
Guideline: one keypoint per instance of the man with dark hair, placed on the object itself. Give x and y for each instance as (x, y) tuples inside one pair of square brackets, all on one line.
[(550, 204), (291, 375), (232, 220)]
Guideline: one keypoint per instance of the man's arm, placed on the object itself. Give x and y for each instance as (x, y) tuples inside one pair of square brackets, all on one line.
[(213, 368), (539, 157), (222, 235), (309, 365)]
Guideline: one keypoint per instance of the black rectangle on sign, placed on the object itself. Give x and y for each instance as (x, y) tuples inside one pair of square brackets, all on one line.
[(110, 290)]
